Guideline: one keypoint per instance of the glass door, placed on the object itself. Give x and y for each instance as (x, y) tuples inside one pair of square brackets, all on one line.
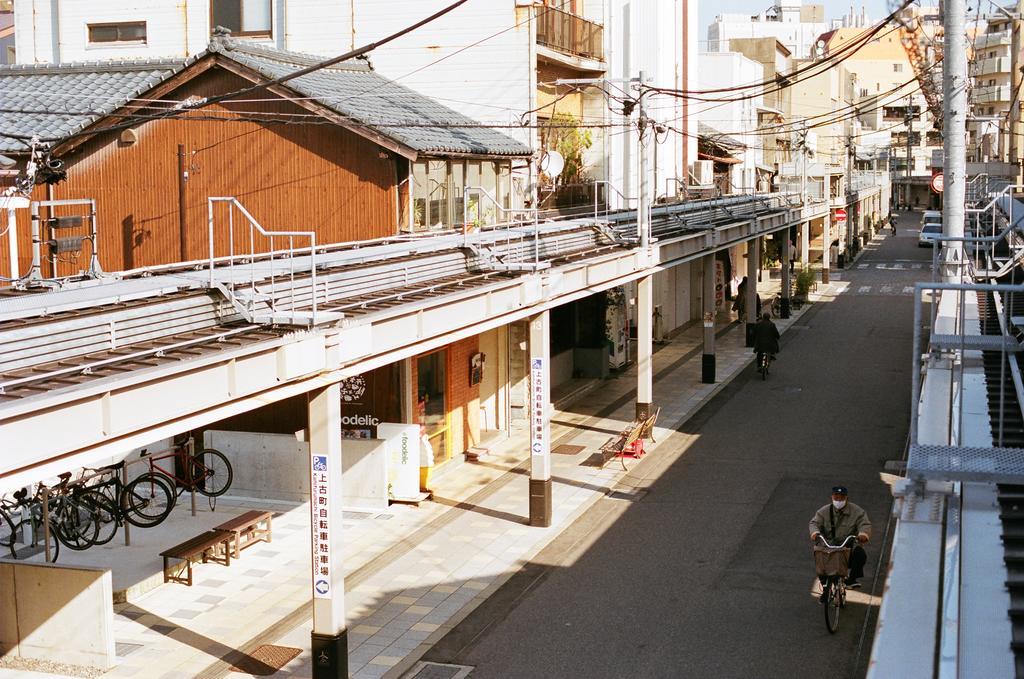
[(431, 401)]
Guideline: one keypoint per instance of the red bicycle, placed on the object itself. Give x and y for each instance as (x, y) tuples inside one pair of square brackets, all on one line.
[(207, 472)]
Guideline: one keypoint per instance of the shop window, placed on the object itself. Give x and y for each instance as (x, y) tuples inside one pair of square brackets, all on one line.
[(242, 17), (128, 32), (431, 401)]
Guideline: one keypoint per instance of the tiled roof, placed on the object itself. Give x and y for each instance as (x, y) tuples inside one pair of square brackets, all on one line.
[(719, 138), (90, 90), (356, 91)]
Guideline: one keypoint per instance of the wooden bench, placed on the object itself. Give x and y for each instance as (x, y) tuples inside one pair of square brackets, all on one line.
[(245, 529), (204, 546), (630, 441)]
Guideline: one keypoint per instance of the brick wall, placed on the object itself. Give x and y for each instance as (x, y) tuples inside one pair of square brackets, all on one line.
[(463, 400)]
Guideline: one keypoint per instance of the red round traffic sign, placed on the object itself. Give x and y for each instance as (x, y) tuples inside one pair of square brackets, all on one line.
[(936, 182), (840, 214)]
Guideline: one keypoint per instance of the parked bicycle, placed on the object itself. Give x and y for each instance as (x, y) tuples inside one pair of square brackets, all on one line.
[(832, 565), (145, 501), (207, 472), (71, 522)]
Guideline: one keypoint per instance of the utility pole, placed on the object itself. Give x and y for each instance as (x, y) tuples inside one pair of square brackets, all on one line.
[(908, 120), (643, 215), (954, 105), (851, 204), (1016, 80)]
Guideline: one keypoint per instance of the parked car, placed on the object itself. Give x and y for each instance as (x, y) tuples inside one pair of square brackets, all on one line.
[(931, 216), (929, 232)]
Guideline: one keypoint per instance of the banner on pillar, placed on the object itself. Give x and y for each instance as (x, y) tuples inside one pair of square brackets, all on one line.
[(538, 407), (320, 523), (719, 285)]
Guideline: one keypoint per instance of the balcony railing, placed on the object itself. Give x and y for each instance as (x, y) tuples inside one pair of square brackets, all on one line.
[(569, 33), (990, 94)]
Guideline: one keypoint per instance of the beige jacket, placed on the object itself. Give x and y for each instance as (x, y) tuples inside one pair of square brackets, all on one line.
[(850, 520)]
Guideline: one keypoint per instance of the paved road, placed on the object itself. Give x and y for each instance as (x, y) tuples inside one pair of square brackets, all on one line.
[(709, 573)]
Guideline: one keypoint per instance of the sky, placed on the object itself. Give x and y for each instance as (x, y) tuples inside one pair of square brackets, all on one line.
[(708, 9)]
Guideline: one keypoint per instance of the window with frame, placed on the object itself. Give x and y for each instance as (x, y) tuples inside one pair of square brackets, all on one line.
[(897, 68), (125, 32), (439, 192), (242, 17)]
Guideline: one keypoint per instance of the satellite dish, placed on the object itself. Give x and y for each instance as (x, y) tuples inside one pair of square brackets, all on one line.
[(552, 163)]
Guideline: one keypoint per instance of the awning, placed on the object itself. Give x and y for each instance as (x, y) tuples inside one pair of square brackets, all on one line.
[(719, 159)]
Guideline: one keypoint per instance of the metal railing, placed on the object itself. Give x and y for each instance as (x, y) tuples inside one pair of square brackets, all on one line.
[(254, 258), (610, 189), (865, 179), (570, 33), (958, 341), (514, 220)]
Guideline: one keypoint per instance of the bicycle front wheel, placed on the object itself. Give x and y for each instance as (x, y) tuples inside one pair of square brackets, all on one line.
[(211, 472), (147, 500), (833, 602)]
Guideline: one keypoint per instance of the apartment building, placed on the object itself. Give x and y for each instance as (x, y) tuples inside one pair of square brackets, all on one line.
[(991, 76), (796, 26), (734, 124), (885, 92)]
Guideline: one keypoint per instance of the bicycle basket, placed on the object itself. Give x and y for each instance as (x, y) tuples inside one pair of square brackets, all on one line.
[(831, 561)]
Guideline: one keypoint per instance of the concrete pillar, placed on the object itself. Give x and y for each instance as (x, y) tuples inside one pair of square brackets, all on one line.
[(826, 240), (750, 304), (707, 368), (805, 245), (644, 346), (540, 420), (786, 283), (330, 637)]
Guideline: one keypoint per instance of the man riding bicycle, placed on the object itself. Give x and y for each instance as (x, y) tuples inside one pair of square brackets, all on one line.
[(838, 520), (766, 338)]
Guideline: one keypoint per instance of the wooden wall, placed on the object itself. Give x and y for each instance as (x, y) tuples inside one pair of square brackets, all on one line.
[(306, 176)]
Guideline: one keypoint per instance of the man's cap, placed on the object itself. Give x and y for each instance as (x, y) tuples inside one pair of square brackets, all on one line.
[(839, 490)]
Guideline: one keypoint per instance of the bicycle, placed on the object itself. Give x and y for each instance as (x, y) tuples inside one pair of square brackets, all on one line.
[(832, 565), (71, 522), (764, 359), (207, 472), (145, 501)]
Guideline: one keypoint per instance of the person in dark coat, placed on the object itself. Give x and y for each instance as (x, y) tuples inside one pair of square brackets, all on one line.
[(766, 338)]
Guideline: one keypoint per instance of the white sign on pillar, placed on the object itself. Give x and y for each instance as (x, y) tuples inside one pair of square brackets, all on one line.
[(540, 429), (320, 508)]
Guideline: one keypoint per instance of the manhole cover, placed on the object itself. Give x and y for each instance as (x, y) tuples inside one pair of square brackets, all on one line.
[(627, 495), (566, 449), (265, 660), (123, 648), (435, 670)]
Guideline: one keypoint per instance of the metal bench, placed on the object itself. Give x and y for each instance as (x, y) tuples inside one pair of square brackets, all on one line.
[(630, 441), (204, 546), (245, 529)]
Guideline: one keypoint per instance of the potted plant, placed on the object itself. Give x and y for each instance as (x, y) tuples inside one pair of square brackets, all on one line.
[(804, 282)]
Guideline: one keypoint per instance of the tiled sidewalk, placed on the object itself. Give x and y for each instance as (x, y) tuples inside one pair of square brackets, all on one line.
[(412, 573)]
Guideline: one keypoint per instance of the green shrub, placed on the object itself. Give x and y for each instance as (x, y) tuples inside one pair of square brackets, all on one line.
[(804, 282)]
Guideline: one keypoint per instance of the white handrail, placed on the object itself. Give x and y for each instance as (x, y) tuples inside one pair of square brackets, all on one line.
[(233, 203)]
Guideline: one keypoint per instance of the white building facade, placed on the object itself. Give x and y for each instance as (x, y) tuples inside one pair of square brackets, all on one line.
[(735, 119), (795, 26)]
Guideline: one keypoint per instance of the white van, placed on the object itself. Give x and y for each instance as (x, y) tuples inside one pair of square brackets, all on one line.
[(930, 216)]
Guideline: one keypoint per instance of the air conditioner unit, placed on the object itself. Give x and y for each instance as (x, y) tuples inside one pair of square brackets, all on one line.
[(702, 173)]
